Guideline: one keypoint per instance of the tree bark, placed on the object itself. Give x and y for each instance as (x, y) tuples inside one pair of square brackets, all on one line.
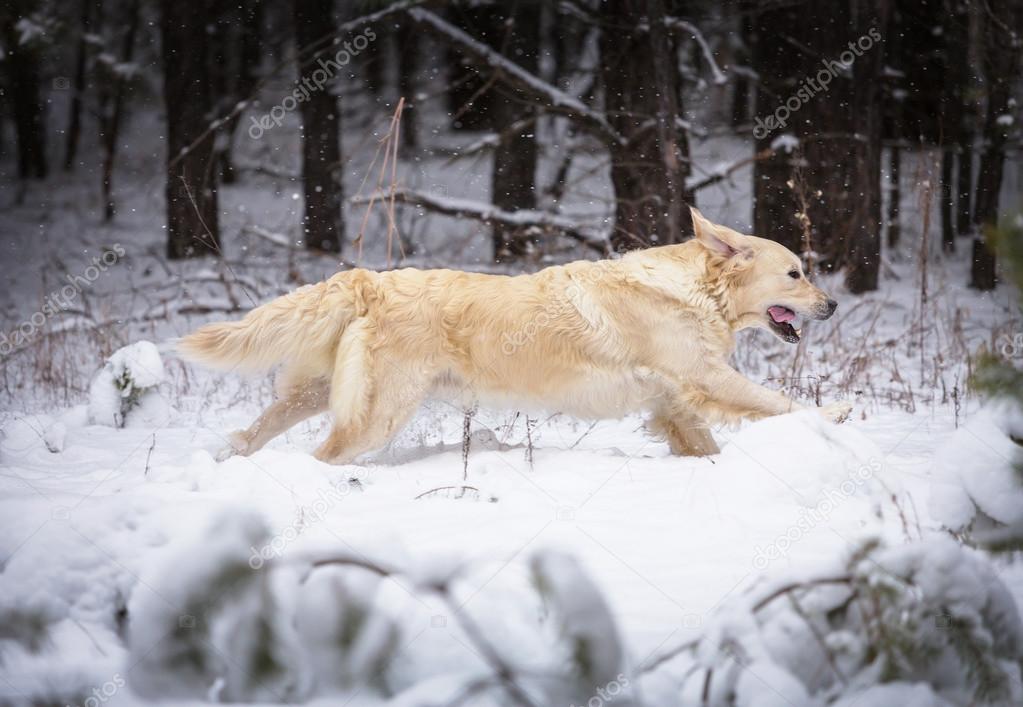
[(948, 206), (471, 100), (740, 81), (322, 222), (74, 127), (894, 195), (26, 101), (774, 203), (191, 190), (407, 39), (514, 172), (648, 168), (1001, 58), (112, 123)]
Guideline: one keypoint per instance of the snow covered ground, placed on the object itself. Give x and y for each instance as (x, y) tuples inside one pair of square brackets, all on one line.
[(107, 534)]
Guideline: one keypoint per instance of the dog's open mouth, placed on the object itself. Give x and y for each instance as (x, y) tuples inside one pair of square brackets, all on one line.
[(780, 319)]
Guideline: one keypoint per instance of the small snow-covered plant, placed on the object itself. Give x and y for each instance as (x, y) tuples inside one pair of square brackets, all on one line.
[(933, 616), (215, 623), (349, 640), (587, 628), (998, 377), (127, 385), (27, 626)]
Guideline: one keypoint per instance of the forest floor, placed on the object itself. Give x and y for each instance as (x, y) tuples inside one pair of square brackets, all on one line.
[(87, 513)]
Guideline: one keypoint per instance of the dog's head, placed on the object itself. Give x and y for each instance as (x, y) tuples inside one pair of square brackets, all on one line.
[(765, 281)]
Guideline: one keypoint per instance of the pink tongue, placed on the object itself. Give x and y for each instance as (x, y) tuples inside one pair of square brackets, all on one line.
[(781, 314)]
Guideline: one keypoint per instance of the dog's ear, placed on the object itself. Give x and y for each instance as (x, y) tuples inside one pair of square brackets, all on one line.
[(720, 241)]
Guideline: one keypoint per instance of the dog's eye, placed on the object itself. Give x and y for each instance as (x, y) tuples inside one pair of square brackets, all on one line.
[(794, 274)]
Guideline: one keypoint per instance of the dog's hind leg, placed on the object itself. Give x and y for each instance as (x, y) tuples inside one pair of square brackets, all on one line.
[(687, 434), (372, 394), (295, 404), (395, 398)]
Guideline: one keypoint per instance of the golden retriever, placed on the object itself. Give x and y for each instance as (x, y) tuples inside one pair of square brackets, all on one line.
[(651, 331)]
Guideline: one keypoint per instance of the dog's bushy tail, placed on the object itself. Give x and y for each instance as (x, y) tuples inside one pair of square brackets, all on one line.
[(306, 324)]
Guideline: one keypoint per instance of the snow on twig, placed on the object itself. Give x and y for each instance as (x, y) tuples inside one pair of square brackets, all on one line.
[(675, 24), (512, 74), (488, 213), (721, 173)]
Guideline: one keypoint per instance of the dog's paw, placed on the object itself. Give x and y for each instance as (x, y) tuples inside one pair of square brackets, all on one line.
[(837, 412), (236, 444)]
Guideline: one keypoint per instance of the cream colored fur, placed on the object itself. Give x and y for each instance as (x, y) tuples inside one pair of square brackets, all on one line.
[(651, 331)]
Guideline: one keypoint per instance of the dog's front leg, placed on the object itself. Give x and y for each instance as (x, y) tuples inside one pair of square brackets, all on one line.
[(724, 393)]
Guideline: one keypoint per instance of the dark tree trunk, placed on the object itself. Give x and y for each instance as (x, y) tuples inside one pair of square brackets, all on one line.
[(112, 123), (26, 100), (1001, 58), (894, 95), (962, 77), (374, 60), (843, 153), (245, 53), (648, 170), (322, 223), (964, 182), (74, 123), (471, 98), (407, 39), (740, 81), (191, 190), (894, 195), (514, 173), (948, 229), (774, 202)]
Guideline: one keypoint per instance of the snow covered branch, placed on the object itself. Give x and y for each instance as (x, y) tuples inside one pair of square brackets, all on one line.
[(488, 213), (548, 96), (694, 184), (675, 24)]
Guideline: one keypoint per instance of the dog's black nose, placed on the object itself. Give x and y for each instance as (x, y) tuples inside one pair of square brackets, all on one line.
[(831, 305)]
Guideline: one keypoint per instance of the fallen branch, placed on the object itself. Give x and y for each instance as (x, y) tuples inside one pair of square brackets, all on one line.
[(488, 213)]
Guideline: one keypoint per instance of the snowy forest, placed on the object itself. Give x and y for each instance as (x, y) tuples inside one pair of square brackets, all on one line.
[(165, 164)]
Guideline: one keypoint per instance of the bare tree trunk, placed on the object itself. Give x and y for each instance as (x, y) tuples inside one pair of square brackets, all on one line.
[(962, 65), (245, 53), (740, 81), (26, 100), (964, 181), (774, 203), (471, 100), (112, 124), (948, 229), (844, 153), (894, 194), (1001, 69), (514, 173), (322, 223), (192, 211), (407, 39), (74, 127), (648, 170)]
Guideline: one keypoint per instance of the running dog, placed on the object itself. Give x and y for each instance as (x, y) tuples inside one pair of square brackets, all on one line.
[(651, 331)]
